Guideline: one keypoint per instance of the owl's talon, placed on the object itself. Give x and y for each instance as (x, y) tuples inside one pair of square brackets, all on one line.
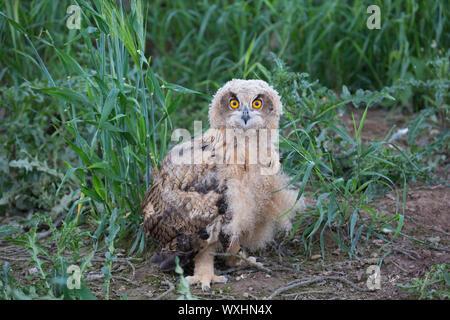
[(206, 289), (219, 279), (206, 281), (193, 280)]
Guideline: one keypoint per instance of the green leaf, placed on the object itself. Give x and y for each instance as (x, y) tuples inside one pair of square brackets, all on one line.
[(84, 157), (7, 230), (68, 174), (361, 123), (68, 95), (178, 88), (71, 62), (85, 294), (178, 269), (13, 23), (99, 186), (108, 106)]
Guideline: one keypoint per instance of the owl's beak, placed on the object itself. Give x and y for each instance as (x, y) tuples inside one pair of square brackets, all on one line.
[(245, 115)]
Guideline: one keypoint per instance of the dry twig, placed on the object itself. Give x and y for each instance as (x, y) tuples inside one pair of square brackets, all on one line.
[(171, 288), (302, 282)]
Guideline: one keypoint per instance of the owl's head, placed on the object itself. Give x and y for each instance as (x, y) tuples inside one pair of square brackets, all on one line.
[(245, 104)]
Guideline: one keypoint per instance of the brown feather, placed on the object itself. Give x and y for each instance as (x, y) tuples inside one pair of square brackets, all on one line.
[(178, 208)]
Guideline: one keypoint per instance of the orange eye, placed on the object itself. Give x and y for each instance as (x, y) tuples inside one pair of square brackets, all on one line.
[(234, 103), (257, 103)]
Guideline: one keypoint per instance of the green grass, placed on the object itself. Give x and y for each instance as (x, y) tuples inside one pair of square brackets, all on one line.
[(435, 284), (85, 114)]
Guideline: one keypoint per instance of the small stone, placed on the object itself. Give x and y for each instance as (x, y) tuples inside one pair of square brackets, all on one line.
[(434, 239), (316, 256), (242, 276), (33, 270), (378, 242)]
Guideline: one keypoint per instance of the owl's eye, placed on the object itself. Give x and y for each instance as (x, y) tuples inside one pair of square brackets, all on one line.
[(234, 103), (257, 103)]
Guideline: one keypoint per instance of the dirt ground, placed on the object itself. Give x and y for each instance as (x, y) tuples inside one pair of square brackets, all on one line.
[(292, 275), (336, 277)]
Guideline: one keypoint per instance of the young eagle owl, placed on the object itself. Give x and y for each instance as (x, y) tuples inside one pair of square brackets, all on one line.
[(222, 190)]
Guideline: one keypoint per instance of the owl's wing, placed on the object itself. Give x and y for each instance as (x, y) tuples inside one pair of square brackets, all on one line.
[(185, 200)]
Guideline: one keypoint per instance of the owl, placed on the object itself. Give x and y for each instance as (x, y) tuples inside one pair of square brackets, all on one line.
[(223, 190)]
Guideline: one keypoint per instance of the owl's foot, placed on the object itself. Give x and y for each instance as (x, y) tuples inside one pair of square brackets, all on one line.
[(205, 280), (204, 269)]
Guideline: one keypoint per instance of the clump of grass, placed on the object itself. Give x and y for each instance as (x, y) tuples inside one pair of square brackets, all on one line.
[(345, 172), (122, 134), (32, 150), (118, 116), (322, 39), (47, 269), (434, 285), (183, 285)]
